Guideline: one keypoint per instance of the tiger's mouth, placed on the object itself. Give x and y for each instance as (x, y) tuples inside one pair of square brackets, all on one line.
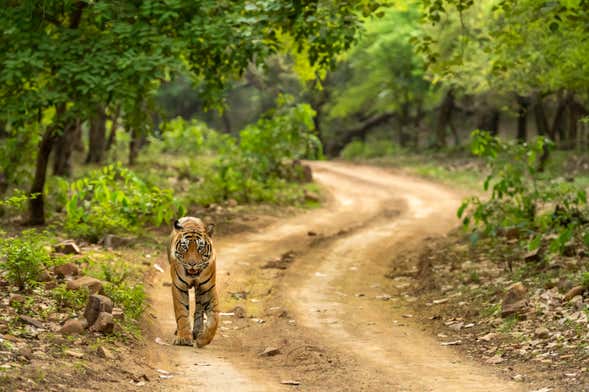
[(192, 271)]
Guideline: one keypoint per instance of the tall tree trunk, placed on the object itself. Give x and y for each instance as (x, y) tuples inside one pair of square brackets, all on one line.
[(444, 119), (540, 117), (489, 121), (97, 136), (37, 201), (62, 155), (575, 111), (78, 137), (523, 104), (134, 146), (542, 129), (226, 122), (112, 136), (559, 122), (404, 136)]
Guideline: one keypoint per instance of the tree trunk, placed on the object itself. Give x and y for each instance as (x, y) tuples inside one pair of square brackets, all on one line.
[(542, 129), (37, 199), (404, 136), (112, 136), (134, 147), (489, 121), (337, 146), (522, 118), (559, 123), (226, 122), (97, 136), (444, 118), (540, 117), (62, 155), (78, 137)]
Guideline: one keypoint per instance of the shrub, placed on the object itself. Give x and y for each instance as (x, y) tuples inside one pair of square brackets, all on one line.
[(522, 196), (114, 199), (371, 148), (24, 258)]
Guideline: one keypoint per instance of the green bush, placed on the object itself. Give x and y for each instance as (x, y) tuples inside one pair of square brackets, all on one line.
[(372, 148), (24, 258), (259, 167), (523, 197), (113, 200)]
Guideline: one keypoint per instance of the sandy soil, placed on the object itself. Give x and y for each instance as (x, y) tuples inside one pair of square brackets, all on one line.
[(337, 323)]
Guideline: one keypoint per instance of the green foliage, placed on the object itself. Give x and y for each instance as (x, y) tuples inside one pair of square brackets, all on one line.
[(23, 257), (73, 299), (113, 200), (179, 136), (523, 197), (131, 298), (372, 148), (260, 166)]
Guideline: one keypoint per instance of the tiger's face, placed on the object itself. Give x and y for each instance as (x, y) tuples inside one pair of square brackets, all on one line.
[(192, 244)]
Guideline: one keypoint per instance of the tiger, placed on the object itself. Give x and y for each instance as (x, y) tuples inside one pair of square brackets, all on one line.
[(192, 259)]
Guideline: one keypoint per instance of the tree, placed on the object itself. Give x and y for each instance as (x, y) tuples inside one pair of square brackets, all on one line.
[(383, 75), (60, 59)]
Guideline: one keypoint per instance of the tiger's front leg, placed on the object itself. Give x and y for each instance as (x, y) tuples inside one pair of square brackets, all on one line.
[(207, 302), (181, 310)]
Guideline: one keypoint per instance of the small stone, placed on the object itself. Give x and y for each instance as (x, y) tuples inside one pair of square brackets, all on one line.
[(577, 290), (92, 284), (104, 352), (495, 360), (14, 299), (74, 353), (44, 276), (533, 255), (239, 312), (67, 269), (118, 314), (231, 203), (31, 321), (73, 327), (270, 352), (542, 332), (97, 304), (104, 323), (67, 247), (518, 378), (26, 352), (514, 301), (488, 337), (311, 196)]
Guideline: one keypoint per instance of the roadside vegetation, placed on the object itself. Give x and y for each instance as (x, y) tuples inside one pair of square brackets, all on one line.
[(117, 117)]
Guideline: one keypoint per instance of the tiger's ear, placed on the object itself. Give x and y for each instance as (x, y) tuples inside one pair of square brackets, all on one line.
[(177, 225), (210, 229)]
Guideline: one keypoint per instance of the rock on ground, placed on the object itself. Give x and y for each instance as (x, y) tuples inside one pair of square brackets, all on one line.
[(515, 300), (104, 323), (67, 247), (92, 284), (97, 304)]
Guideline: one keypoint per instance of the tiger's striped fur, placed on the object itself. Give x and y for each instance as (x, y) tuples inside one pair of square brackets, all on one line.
[(193, 264)]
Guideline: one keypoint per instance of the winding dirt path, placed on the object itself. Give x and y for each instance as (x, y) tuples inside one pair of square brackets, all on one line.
[(325, 312)]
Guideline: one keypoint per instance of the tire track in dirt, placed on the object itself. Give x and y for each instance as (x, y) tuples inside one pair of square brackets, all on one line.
[(356, 335)]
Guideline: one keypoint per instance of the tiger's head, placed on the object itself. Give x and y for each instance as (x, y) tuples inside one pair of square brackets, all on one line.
[(191, 244)]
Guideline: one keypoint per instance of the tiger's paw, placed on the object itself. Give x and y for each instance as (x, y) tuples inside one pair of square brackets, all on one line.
[(203, 340), (181, 340)]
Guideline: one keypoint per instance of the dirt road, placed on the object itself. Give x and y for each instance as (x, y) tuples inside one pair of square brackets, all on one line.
[(337, 323)]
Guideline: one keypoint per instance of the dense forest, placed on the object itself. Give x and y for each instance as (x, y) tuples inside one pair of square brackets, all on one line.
[(119, 116)]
